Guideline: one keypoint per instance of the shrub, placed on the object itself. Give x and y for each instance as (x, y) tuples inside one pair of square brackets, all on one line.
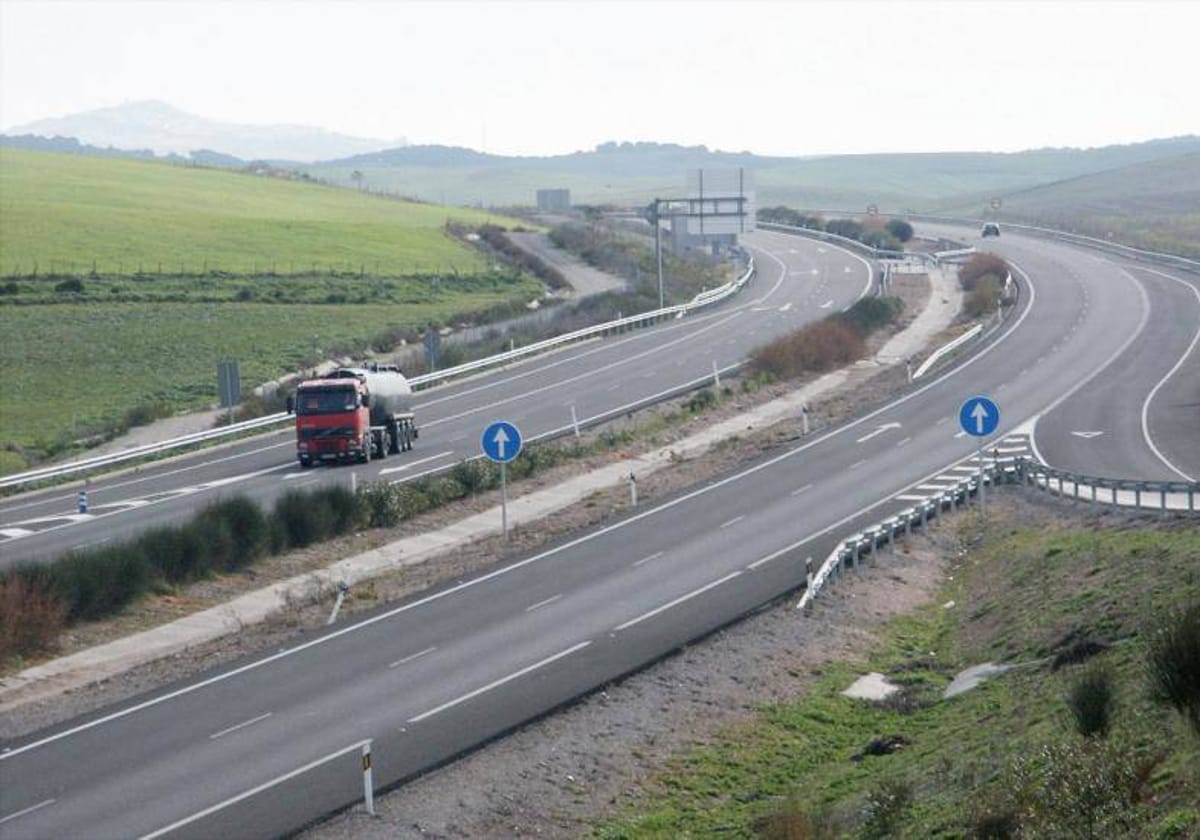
[(1090, 699), (1173, 661), (983, 298), (900, 229), (72, 285), (812, 349), (238, 531), (870, 313), (100, 581), (475, 476), (30, 617), (296, 522), (885, 808), (701, 401), (979, 267), (380, 504), (1079, 789)]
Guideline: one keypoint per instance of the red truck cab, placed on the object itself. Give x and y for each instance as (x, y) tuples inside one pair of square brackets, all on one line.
[(333, 421)]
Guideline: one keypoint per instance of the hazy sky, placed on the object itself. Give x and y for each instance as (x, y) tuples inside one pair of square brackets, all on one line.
[(554, 77)]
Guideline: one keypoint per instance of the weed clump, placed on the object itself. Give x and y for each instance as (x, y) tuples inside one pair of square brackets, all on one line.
[(1173, 661), (1090, 699)]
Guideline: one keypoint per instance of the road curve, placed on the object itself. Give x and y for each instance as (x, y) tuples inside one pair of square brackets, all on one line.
[(450, 668)]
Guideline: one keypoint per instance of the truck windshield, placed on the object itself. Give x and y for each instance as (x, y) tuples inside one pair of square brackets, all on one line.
[(326, 401)]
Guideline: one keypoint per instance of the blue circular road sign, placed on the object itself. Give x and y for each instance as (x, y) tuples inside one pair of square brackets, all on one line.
[(501, 442), (979, 416)]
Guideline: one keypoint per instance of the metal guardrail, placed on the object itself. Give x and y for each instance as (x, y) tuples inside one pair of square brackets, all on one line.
[(704, 298), (949, 347), (1160, 496), (137, 452)]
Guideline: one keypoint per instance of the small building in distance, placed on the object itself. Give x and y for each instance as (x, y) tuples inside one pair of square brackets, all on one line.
[(553, 200)]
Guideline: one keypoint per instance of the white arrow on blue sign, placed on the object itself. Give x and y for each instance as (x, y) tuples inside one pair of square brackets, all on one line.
[(979, 416), (501, 442)]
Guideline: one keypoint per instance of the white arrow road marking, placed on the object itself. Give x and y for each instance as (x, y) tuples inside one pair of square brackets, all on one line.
[(826, 304), (412, 464), (785, 307), (878, 431), (1087, 435), (14, 533)]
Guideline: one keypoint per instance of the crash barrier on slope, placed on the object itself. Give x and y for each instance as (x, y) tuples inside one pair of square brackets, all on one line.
[(876, 253), (705, 298), (864, 546)]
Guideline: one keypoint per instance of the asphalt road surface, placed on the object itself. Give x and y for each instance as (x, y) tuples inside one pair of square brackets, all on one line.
[(270, 743)]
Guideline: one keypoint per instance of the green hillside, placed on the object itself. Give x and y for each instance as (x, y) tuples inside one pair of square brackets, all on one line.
[(1155, 204), (1065, 600), (66, 213)]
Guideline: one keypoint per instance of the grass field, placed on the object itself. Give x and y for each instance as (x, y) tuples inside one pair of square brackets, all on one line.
[(66, 213), (1032, 587), (70, 368)]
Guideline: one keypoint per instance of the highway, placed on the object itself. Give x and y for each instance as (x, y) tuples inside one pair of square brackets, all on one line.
[(798, 281), (453, 667)]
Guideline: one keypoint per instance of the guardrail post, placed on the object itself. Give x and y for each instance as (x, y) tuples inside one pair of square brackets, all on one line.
[(632, 489), (716, 376), (1114, 494), (1191, 499), (1163, 498), (874, 537), (1137, 495), (1093, 495), (808, 582), (368, 780)]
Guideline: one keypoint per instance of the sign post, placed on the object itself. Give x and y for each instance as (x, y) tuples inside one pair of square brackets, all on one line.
[(979, 417), (502, 443)]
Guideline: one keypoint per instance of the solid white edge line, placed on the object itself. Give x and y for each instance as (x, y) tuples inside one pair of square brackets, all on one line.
[(497, 683), (675, 602), (28, 810), (233, 800), (236, 727), (678, 500), (1170, 373)]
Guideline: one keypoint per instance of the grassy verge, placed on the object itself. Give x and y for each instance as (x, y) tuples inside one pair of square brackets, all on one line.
[(1064, 599)]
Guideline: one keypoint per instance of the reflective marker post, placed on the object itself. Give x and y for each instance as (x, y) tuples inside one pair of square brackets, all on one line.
[(368, 781)]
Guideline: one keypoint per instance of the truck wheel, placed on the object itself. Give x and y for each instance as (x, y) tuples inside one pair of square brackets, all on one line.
[(305, 463)]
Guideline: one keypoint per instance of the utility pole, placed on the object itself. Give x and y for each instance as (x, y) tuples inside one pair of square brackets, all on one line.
[(658, 253)]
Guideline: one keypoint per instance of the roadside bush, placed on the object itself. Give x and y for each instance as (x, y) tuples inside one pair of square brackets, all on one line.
[(295, 522), (380, 504), (974, 270), (475, 476), (72, 285), (701, 401), (100, 581), (30, 617), (812, 349), (871, 313), (1173, 662), (1091, 698), (1079, 789), (236, 532), (900, 229), (983, 298), (886, 808)]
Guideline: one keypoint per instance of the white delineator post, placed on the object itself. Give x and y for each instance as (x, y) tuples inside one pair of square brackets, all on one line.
[(368, 780)]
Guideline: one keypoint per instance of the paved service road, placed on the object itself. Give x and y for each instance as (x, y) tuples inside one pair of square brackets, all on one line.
[(450, 668)]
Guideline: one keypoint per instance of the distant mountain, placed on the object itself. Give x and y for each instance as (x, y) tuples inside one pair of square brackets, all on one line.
[(167, 130)]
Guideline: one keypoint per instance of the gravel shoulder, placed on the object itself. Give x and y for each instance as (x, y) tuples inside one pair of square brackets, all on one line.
[(557, 775)]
